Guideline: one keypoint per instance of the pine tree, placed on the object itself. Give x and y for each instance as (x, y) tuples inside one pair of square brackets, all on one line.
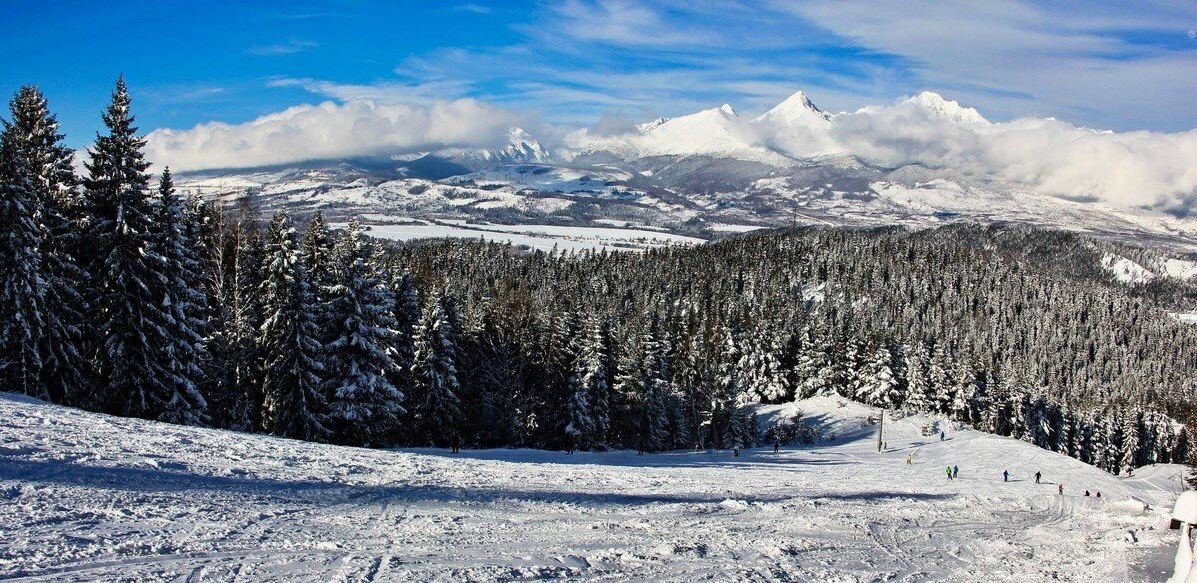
[(364, 407), (127, 276), (877, 383), (245, 315), (182, 349), (22, 298), (293, 404), (589, 393), (649, 385), (407, 322), (39, 185), (438, 414), (579, 430)]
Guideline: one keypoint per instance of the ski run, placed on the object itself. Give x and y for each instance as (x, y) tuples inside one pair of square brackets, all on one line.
[(92, 497)]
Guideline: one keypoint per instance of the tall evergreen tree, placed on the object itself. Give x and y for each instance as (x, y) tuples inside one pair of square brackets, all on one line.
[(182, 301), (127, 276), (438, 413), (40, 200), (293, 404), (364, 407), (22, 297)]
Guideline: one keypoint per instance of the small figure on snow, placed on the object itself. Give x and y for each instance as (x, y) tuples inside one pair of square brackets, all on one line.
[(1060, 488), (1087, 493), (735, 452), (949, 472), (955, 472), (776, 445), (909, 459), (1037, 477), (1005, 475), (942, 435), (1099, 493)]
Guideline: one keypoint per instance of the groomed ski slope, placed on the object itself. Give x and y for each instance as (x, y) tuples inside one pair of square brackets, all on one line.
[(91, 497)]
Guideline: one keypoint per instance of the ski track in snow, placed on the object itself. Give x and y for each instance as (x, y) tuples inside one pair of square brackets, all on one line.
[(92, 497)]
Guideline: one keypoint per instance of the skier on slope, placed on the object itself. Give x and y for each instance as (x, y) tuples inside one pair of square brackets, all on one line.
[(909, 459), (1037, 477), (955, 472), (1061, 488), (949, 472), (1005, 475), (942, 435)]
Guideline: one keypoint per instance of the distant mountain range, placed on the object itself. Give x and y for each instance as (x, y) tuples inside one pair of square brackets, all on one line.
[(705, 174)]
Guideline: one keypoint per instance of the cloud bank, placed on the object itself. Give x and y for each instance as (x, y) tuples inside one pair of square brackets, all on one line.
[(1141, 168), (330, 131)]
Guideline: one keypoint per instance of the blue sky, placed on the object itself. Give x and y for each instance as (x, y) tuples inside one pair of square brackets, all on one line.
[(572, 62)]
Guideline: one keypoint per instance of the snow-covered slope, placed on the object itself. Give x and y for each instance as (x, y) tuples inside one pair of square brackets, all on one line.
[(91, 497)]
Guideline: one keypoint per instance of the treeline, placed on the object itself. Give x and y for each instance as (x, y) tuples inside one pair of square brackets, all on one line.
[(121, 296)]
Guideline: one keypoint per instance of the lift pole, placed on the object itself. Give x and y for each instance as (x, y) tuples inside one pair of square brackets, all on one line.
[(881, 432)]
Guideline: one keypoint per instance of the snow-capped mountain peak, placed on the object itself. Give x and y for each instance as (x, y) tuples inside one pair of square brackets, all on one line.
[(796, 108), (727, 109), (524, 148), (950, 110)]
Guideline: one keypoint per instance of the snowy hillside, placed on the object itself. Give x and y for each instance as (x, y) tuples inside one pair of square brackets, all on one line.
[(91, 497)]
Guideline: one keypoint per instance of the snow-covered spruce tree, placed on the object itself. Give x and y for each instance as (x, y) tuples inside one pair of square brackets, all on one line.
[(182, 302), (293, 404), (877, 385), (317, 254), (364, 407), (127, 277), (579, 431), (22, 297), (40, 184), (761, 369), (407, 321), (589, 392), (649, 386), (725, 392), (598, 380), (438, 413)]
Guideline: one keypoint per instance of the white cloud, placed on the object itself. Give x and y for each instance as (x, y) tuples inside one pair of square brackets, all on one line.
[(329, 131), (474, 8), (284, 48), (1127, 169)]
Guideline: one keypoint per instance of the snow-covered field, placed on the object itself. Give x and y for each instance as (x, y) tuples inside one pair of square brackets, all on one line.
[(543, 237), (91, 497)]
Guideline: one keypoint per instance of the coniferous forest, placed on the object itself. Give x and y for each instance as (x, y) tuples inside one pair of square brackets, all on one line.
[(120, 294)]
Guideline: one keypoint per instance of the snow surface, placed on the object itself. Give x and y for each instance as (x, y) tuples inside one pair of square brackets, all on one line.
[(93, 497), (543, 237), (1125, 270)]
